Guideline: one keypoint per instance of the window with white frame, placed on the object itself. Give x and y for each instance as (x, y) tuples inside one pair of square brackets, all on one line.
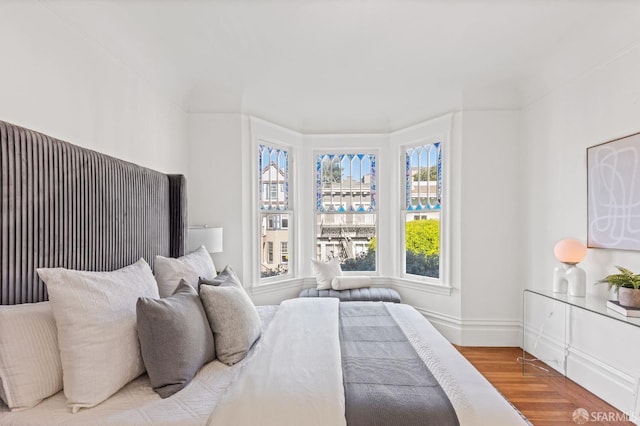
[(274, 210), (422, 209), (269, 258), (345, 209)]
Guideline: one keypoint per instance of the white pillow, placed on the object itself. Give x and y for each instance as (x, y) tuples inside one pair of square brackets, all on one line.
[(30, 368), (346, 283), (95, 314), (190, 267), (325, 272)]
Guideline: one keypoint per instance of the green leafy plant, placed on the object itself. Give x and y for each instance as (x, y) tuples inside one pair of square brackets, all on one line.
[(423, 237), (625, 278), (362, 262)]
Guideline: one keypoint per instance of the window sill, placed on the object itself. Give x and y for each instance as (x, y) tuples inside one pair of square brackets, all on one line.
[(269, 287), (393, 282), (309, 282), (422, 286)]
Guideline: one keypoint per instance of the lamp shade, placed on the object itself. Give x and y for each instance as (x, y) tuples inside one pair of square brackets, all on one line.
[(211, 238), (569, 251)]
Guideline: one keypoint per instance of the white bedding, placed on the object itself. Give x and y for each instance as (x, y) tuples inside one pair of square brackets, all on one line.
[(286, 383), (137, 404), (475, 400), (288, 372)]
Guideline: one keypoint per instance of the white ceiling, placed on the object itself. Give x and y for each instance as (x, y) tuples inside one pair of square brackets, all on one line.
[(355, 65)]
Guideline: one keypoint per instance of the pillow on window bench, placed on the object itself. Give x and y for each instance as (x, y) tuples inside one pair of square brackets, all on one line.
[(325, 272), (350, 282)]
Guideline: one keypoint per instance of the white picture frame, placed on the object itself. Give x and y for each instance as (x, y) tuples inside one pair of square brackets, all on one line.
[(613, 194)]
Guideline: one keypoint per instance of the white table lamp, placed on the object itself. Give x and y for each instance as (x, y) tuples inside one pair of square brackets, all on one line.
[(569, 278), (211, 238)]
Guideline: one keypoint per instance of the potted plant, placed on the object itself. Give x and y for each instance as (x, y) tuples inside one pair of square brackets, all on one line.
[(627, 284)]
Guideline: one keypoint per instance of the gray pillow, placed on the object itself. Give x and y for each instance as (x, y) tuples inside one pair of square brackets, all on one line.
[(175, 338), (226, 277), (233, 319)]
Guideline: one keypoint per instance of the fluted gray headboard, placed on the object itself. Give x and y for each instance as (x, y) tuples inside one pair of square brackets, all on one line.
[(63, 205)]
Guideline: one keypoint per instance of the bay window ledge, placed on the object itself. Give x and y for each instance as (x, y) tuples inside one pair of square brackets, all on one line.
[(393, 282), (424, 286), (273, 286)]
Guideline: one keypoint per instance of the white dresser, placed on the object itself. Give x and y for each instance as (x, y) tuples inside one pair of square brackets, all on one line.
[(580, 338)]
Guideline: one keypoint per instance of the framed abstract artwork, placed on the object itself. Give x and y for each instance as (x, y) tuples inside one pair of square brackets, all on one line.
[(613, 194)]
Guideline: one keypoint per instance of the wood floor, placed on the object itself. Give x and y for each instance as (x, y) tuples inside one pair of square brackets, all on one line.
[(543, 400)]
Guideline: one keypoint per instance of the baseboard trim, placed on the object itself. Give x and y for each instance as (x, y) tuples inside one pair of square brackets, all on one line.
[(476, 332), (491, 332), (449, 326), (604, 380)]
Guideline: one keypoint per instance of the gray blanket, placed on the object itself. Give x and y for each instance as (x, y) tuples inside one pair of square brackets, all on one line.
[(385, 381)]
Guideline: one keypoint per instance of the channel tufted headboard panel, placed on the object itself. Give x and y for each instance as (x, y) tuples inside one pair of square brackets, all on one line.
[(63, 205)]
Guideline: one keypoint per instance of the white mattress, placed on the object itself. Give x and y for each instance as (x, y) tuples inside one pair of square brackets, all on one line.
[(138, 404), (475, 400)]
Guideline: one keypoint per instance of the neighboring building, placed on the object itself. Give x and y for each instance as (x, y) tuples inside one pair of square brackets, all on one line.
[(424, 193), (274, 226), (345, 235)]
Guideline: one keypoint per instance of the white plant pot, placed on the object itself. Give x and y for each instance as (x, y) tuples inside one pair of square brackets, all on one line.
[(629, 297)]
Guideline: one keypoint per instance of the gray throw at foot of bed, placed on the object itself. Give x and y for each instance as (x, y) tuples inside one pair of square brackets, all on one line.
[(385, 381)]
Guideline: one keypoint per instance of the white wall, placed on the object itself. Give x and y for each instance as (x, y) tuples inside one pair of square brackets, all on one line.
[(483, 307), (600, 104), (60, 83), (214, 181), (55, 80), (490, 228)]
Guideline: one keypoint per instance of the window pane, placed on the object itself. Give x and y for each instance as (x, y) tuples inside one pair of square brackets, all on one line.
[(345, 183), (273, 178), (350, 237), (273, 184), (274, 236), (345, 209), (423, 166), (422, 234), (423, 185)]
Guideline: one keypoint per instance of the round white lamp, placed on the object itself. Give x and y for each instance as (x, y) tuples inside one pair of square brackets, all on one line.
[(569, 278)]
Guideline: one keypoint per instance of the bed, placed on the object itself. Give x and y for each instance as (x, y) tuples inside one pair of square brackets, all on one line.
[(316, 362)]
